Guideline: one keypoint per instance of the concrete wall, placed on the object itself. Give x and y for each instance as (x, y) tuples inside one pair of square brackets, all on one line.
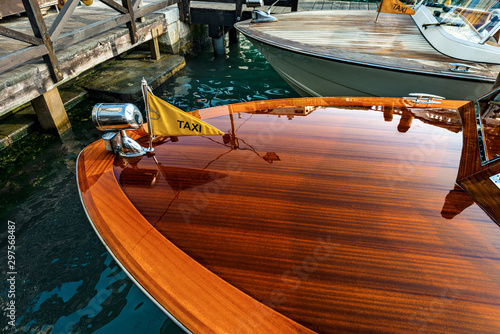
[(177, 38)]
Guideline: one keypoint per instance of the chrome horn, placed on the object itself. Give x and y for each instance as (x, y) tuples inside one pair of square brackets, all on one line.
[(114, 119)]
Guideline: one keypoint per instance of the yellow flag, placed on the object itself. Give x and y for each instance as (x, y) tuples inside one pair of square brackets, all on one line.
[(394, 7), (172, 121)]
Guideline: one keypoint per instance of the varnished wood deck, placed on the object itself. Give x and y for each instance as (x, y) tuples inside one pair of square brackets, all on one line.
[(355, 226)]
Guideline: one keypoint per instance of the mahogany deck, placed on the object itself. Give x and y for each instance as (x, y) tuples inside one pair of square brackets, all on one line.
[(352, 35), (356, 225)]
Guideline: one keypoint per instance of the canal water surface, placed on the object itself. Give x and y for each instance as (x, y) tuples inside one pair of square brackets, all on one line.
[(62, 279)]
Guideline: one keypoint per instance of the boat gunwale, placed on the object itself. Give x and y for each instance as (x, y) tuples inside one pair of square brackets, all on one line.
[(120, 264)]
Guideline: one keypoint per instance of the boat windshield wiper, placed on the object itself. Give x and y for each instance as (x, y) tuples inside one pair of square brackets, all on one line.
[(425, 25)]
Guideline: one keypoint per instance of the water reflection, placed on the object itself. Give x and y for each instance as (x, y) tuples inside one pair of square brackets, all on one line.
[(239, 76)]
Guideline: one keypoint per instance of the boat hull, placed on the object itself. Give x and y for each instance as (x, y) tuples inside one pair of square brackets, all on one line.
[(310, 214), (321, 76)]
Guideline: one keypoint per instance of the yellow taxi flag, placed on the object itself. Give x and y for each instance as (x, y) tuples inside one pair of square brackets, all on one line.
[(173, 121), (394, 7)]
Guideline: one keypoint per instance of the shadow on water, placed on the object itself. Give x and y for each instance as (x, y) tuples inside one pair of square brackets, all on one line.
[(65, 280)]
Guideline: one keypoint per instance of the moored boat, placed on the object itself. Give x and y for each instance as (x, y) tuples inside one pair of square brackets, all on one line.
[(448, 50), (309, 215)]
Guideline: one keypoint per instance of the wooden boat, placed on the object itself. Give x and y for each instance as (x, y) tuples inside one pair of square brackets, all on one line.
[(450, 51), (310, 215)]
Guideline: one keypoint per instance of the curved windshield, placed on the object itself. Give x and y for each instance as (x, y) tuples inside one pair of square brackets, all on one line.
[(473, 20)]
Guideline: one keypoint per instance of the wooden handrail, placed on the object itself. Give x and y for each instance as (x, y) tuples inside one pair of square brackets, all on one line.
[(45, 41)]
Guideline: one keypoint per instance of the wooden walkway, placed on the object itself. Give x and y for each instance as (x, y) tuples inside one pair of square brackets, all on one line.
[(304, 5)]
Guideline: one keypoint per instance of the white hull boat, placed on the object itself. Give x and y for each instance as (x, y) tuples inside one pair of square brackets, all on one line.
[(347, 53)]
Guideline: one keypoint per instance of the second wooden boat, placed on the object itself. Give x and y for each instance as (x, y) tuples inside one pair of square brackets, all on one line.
[(450, 51)]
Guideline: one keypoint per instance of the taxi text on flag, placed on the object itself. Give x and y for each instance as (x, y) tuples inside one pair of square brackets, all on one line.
[(172, 121), (394, 7)]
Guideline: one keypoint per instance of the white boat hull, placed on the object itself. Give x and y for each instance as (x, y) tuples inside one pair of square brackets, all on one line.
[(312, 75)]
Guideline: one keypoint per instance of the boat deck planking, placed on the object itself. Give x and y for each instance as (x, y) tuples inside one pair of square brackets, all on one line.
[(392, 41), (292, 235)]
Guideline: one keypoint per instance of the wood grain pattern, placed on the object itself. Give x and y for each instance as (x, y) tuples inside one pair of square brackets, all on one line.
[(393, 40), (342, 219), (200, 300)]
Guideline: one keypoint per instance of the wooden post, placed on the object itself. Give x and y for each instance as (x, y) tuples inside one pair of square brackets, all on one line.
[(295, 5), (239, 11), (185, 10), (154, 47), (218, 42), (233, 36), (40, 31), (131, 24), (50, 111)]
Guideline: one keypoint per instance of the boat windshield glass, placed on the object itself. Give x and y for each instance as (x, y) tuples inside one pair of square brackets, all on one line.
[(476, 21), (488, 125)]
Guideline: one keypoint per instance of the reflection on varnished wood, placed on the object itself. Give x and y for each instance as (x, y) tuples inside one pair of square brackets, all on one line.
[(456, 201), (180, 179), (138, 177), (405, 121), (358, 228)]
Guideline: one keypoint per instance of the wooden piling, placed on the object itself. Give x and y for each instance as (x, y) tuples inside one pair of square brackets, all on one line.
[(154, 46), (50, 111)]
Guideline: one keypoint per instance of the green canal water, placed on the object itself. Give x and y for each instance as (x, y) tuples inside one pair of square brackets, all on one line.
[(61, 279)]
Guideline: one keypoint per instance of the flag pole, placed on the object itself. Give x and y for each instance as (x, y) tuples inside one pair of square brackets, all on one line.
[(378, 10), (144, 86)]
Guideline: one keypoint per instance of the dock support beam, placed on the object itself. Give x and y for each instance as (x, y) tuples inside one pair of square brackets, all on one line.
[(233, 36), (49, 109)]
